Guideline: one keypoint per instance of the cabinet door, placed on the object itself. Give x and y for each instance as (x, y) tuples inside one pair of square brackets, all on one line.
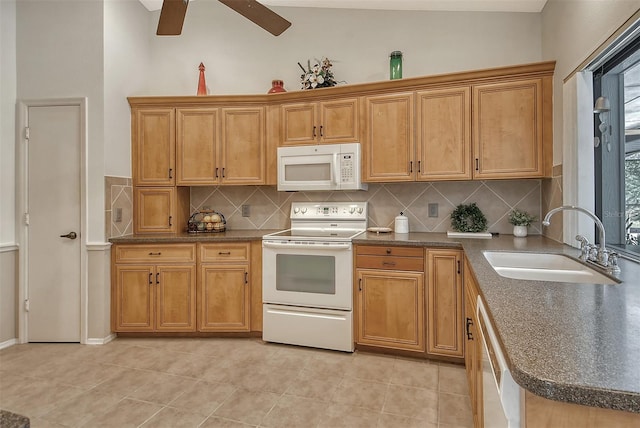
[(134, 298), (339, 121), (445, 326), (224, 298), (175, 298), (242, 148), (154, 210), (196, 146), (473, 352), (298, 122), (153, 147), (391, 309), (443, 129), (507, 130), (388, 146)]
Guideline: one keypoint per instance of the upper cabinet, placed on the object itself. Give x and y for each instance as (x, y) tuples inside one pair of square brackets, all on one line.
[(508, 131), (153, 146), (327, 122), (443, 134), (220, 146), (388, 143)]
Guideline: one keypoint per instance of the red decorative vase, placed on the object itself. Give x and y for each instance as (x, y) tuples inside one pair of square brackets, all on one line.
[(202, 86), (276, 86)]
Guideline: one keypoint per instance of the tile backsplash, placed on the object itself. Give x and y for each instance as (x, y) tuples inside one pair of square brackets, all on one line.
[(118, 206), (269, 209)]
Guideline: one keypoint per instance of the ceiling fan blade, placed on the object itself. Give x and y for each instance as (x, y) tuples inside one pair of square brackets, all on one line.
[(172, 17), (259, 14)]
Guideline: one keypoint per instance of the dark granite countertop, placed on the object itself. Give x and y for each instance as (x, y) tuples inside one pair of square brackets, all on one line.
[(13, 420), (578, 343), (226, 236)]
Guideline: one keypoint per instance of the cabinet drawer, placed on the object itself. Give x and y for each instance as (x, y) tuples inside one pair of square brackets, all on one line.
[(390, 263), (382, 250), (175, 253), (224, 252)]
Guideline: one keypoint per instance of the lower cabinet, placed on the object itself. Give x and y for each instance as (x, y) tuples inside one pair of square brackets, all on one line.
[(444, 303), (154, 288), (473, 352), (224, 294), (161, 288), (390, 301)]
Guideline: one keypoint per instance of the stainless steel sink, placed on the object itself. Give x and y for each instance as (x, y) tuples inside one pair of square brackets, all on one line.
[(544, 267)]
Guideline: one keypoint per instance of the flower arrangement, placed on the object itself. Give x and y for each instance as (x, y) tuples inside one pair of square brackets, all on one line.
[(521, 218), (318, 76)]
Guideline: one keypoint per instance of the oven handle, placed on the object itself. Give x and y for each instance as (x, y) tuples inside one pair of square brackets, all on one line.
[(345, 246)]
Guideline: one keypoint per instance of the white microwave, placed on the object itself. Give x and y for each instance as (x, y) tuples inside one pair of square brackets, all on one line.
[(320, 167)]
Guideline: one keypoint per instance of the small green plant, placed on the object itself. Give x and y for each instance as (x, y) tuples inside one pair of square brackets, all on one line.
[(468, 218), (521, 218)]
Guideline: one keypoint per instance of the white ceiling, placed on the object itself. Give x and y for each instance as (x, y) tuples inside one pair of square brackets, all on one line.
[(438, 5)]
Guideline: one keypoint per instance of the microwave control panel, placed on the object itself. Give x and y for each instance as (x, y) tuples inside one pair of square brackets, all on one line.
[(346, 168)]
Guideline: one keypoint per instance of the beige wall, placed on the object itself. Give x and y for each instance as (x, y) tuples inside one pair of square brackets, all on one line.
[(8, 293)]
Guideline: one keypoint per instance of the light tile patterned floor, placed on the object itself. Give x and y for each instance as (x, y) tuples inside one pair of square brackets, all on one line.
[(216, 382)]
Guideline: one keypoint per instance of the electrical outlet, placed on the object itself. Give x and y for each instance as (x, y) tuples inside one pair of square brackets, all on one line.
[(433, 210), (118, 218), (246, 211)]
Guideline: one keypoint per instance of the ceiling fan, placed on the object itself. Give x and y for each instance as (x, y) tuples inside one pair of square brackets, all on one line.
[(173, 13)]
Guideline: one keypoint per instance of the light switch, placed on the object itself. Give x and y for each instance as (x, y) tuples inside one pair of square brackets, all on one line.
[(246, 210), (118, 218), (433, 210)]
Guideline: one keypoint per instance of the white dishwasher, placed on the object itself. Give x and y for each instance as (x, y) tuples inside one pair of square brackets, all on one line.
[(501, 396)]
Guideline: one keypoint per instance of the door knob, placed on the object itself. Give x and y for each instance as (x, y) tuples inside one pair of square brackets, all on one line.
[(70, 235)]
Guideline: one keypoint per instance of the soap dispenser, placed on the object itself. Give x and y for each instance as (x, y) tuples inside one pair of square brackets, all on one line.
[(402, 223)]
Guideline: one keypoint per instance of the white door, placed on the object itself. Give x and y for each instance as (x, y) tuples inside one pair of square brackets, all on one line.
[(53, 205)]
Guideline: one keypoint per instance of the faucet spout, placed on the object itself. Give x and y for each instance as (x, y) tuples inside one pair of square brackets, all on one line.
[(599, 225)]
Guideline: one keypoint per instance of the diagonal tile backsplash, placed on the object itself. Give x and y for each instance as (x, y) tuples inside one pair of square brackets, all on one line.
[(269, 209)]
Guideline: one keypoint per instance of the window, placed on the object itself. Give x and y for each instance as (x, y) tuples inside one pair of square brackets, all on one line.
[(617, 155)]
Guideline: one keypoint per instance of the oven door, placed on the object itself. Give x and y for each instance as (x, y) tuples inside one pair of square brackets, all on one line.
[(311, 274)]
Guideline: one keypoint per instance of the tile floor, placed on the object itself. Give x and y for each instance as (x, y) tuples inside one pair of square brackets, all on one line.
[(217, 382)]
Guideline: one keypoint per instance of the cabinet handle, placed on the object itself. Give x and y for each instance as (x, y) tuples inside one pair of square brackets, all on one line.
[(170, 172), (216, 172), (222, 172), (419, 166), (469, 323), (321, 133), (388, 264), (359, 284), (224, 253), (388, 250), (155, 254), (314, 131), (477, 164), (410, 166), (150, 278), (170, 218), (246, 277), (158, 278), (458, 262)]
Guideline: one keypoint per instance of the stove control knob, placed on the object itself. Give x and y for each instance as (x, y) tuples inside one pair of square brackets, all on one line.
[(296, 210), (304, 210), (360, 210), (352, 210)]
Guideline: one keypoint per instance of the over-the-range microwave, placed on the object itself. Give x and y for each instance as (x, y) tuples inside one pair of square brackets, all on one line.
[(320, 167)]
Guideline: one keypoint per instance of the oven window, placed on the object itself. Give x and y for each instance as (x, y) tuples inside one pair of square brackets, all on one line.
[(308, 172), (305, 273)]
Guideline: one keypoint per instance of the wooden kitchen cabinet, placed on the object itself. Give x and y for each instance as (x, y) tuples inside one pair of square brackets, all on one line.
[(224, 291), (153, 288), (445, 327), (509, 129), (443, 134), (221, 146), (390, 302), (472, 350), (327, 122), (153, 146), (388, 145), (160, 209)]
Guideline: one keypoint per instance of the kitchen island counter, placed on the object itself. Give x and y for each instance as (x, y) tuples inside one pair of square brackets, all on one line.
[(576, 343)]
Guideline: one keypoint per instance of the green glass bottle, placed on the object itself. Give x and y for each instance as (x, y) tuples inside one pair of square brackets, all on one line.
[(395, 65)]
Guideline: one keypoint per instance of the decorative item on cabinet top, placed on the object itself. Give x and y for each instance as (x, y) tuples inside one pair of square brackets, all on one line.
[(206, 221), (318, 76)]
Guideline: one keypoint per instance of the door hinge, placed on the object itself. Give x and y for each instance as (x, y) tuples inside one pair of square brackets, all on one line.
[(26, 305), (26, 219), (26, 132)]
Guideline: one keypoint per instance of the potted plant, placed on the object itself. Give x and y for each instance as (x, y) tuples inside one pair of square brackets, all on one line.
[(520, 220)]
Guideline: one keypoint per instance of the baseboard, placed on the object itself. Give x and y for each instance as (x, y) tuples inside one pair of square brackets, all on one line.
[(103, 341), (8, 343)]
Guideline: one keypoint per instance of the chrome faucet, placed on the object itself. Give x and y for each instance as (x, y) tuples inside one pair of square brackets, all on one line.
[(601, 257)]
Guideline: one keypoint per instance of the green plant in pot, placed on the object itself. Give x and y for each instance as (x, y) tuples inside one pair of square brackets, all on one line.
[(520, 220)]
